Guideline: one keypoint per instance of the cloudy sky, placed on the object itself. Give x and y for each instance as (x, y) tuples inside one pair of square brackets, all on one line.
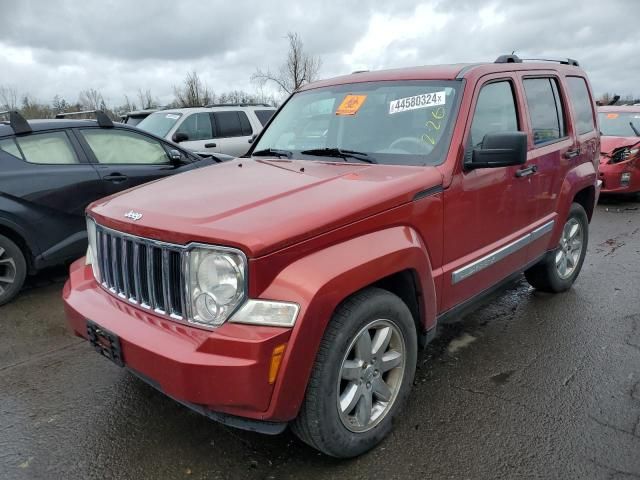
[(50, 47)]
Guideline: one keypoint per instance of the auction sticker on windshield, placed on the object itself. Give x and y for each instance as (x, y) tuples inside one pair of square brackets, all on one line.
[(425, 100), (351, 104)]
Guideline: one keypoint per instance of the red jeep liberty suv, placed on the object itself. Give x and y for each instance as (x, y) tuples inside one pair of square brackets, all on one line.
[(295, 285)]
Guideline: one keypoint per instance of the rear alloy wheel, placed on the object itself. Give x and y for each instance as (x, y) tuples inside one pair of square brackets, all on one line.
[(362, 376), (13, 270), (560, 267)]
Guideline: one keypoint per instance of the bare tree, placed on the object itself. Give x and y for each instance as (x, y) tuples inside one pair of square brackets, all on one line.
[(59, 104), (299, 69), (8, 98), (91, 99), (146, 100), (193, 92)]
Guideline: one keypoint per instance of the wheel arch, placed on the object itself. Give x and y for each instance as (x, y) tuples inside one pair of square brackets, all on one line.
[(391, 258)]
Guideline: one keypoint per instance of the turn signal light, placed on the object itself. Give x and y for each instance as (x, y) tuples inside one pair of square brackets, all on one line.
[(276, 361)]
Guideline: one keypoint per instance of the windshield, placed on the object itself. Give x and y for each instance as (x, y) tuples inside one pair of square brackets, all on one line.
[(399, 123), (618, 124), (159, 123)]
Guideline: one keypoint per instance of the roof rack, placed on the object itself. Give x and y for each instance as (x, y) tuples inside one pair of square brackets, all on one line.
[(515, 59), (249, 104), (17, 122), (102, 118)]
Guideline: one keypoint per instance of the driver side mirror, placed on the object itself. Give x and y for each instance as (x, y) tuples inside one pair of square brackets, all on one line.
[(175, 155), (499, 150), (180, 137)]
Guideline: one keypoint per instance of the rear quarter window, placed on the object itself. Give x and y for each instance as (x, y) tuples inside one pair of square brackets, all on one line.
[(8, 146), (582, 104)]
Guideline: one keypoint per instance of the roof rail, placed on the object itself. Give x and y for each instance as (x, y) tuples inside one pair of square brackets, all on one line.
[(102, 118), (563, 61), (17, 122), (515, 59), (248, 104), (508, 59), (359, 71)]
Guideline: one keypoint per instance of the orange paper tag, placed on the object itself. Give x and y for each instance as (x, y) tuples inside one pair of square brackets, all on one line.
[(612, 115), (351, 104)]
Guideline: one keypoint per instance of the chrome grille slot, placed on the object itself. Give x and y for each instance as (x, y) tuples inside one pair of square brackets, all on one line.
[(142, 271)]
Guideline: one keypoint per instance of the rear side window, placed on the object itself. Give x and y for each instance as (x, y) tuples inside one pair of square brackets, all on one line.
[(545, 109), (8, 145), (197, 127), (495, 112), (47, 148), (228, 124), (264, 115), (582, 104)]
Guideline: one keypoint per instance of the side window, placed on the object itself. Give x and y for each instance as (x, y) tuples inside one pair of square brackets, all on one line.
[(197, 126), (116, 146), (545, 109), (264, 115), (47, 148), (228, 124), (582, 104), (8, 145), (245, 124), (495, 111)]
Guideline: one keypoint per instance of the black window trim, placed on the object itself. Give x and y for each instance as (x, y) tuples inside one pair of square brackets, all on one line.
[(594, 112), (94, 161), (562, 99)]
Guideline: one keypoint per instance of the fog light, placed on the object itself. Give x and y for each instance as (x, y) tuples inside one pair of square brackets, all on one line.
[(625, 179), (276, 361)]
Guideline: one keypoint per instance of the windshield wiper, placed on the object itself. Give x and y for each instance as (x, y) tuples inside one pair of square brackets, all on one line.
[(339, 153), (272, 151), (635, 130)]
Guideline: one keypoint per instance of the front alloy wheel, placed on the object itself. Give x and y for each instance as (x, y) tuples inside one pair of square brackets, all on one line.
[(362, 375), (13, 269), (371, 375)]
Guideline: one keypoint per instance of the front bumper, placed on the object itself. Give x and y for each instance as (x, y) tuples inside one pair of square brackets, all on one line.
[(222, 373), (610, 175)]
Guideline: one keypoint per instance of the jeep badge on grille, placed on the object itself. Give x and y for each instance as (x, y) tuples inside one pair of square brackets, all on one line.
[(133, 215)]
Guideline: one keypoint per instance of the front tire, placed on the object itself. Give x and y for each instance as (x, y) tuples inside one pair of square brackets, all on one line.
[(13, 270), (560, 267), (362, 376)]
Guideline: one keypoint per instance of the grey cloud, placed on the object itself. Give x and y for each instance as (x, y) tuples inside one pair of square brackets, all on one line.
[(119, 46)]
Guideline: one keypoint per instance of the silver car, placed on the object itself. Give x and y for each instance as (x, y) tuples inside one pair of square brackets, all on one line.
[(220, 128)]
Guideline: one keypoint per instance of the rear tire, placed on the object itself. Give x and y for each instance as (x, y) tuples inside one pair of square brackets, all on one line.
[(13, 270), (362, 376), (560, 267)]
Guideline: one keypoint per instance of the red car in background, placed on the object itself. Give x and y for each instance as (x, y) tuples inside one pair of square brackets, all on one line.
[(620, 148)]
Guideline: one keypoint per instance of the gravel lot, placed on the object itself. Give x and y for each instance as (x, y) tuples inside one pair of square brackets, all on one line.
[(530, 386)]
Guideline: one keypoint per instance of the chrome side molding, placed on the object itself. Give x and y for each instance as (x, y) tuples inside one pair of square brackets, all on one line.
[(500, 254)]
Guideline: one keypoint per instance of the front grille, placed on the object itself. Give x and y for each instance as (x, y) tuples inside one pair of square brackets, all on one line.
[(142, 271)]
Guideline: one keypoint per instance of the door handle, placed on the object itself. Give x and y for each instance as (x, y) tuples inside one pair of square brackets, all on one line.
[(525, 172), (116, 178), (210, 145), (572, 153)]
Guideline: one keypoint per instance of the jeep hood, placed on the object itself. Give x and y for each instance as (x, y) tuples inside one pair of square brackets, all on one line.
[(262, 205), (609, 144)]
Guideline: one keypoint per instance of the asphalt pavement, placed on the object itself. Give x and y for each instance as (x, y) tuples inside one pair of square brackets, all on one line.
[(530, 386)]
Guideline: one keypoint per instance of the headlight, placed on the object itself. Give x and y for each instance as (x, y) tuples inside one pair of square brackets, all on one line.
[(216, 284), (93, 249)]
